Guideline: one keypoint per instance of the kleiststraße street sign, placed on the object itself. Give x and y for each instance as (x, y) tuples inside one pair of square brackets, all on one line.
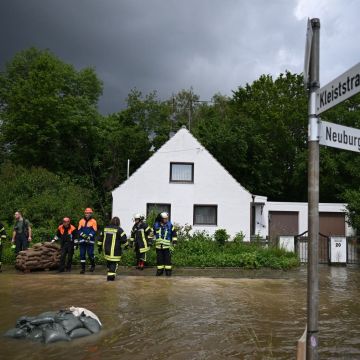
[(338, 90), (338, 136)]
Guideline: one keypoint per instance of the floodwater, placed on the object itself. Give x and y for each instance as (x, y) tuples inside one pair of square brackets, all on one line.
[(196, 314)]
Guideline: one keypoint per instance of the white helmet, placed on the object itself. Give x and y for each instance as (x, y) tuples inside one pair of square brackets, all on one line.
[(164, 215), (139, 216)]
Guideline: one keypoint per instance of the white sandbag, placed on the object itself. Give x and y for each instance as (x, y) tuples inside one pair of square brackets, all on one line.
[(77, 311)]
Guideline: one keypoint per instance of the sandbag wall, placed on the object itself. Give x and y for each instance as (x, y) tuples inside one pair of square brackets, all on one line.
[(39, 257), (50, 327)]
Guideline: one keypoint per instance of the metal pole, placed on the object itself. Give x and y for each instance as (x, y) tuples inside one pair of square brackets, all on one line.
[(128, 168), (312, 342)]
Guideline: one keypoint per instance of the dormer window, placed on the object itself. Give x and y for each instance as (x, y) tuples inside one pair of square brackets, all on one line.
[(181, 172)]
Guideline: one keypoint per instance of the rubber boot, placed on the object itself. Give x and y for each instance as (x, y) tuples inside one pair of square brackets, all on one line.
[(82, 268), (142, 264), (138, 265), (110, 278), (159, 272), (168, 272), (92, 267)]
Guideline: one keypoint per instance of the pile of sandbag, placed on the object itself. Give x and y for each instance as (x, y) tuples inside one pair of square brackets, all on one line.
[(39, 257), (50, 327)]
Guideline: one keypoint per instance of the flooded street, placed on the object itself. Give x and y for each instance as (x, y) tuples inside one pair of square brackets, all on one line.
[(199, 314)]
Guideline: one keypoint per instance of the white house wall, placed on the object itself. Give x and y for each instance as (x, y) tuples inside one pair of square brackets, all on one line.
[(213, 185)]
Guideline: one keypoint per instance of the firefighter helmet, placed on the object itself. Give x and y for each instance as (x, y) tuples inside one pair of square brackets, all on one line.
[(164, 215), (139, 216)]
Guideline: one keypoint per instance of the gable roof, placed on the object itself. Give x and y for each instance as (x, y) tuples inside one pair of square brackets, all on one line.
[(197, 145)]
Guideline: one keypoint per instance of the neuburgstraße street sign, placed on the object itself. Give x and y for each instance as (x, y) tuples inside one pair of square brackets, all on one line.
[(338, 136), (338, 90)]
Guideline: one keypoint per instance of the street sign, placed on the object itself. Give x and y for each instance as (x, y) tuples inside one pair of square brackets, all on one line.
[(309, 36), (338, 249), (338, 90), (338, 136)]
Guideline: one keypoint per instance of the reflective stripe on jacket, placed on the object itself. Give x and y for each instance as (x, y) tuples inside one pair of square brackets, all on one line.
[(141, 233), (111, 239), (165, 234)]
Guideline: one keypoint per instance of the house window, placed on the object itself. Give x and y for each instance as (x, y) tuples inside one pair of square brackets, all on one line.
[(205, 214), (181, 172), (158, 208)]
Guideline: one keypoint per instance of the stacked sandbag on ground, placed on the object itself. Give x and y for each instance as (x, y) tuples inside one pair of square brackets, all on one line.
[(50, 327), (39, 257)]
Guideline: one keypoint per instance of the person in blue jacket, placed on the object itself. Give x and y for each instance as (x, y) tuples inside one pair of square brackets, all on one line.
[(165, 239)]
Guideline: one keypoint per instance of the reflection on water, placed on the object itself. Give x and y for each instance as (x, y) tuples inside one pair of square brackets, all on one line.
[(187, 317)]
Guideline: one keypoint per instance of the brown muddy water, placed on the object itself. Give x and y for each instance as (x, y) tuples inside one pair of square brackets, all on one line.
[(198, 314)]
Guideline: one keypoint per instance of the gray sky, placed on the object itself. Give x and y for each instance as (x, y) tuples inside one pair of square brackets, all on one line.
[(169, 45)]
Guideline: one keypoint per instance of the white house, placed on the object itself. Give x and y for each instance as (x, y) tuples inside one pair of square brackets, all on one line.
[(185, 180)]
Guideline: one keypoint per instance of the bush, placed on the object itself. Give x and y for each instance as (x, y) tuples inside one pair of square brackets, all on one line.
[(239, 237), (221, 236), (200, 250), (44, 198)]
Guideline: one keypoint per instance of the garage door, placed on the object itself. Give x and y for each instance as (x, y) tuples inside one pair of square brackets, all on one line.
[(332, 223), (283, 223)]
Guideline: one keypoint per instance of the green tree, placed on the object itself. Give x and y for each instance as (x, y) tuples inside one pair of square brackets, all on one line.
[(48, 112), (352, 197)]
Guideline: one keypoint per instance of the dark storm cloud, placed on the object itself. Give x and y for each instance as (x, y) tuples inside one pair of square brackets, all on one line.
[(164, 45)]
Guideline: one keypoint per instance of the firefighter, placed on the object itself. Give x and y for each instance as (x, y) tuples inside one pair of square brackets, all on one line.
[(2, 238), (87, 231), (141, 237), (110, 241), (67, 234), (165, 239)]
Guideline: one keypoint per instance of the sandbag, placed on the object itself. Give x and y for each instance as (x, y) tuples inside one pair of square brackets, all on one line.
[(36, 334), (91, 324), (68, 321), (32, 263), (23, 320), (27, 327), (16, 333), (44, 318), (50, 326), (40, 257), (77, 311), (80, 332), (55, 333)]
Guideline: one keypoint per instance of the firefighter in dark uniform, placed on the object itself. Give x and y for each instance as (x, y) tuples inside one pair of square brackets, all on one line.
[(87, 231), (141, 237), (110, 241), (165, 239), (67, 235), (2, 238)]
